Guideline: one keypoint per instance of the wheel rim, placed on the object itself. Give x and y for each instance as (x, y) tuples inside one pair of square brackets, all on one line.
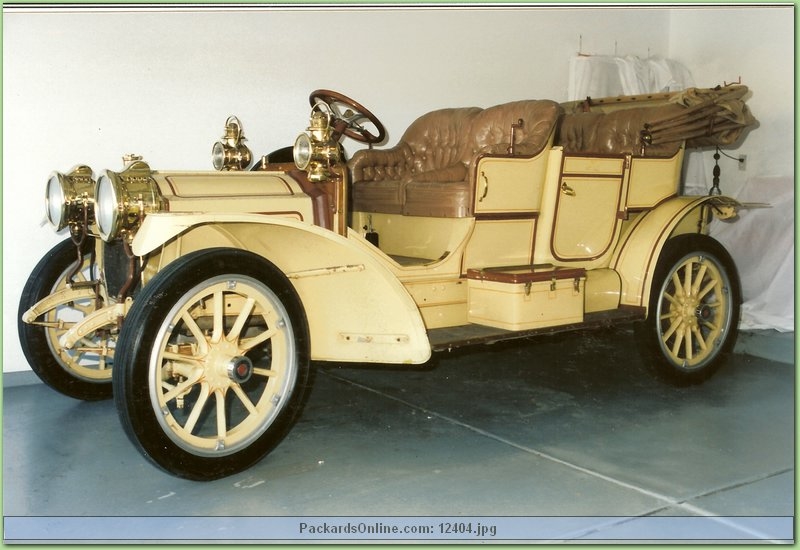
[(223, 365), (92, 357), (694, 311)]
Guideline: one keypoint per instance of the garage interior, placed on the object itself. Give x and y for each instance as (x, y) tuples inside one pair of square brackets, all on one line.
[(571, 425)]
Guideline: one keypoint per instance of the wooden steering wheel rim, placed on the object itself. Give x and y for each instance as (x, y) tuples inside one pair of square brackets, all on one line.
[(364, 136)]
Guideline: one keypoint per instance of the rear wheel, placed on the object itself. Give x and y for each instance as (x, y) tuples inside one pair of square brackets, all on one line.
[(82, 372), (214, 364), (694, 309)]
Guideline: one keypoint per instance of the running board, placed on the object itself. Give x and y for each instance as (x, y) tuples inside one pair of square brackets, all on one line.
[(449, 338)]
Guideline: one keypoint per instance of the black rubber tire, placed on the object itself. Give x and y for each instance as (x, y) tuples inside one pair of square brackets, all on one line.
[(152, 420), (45, 277), (687, 337)]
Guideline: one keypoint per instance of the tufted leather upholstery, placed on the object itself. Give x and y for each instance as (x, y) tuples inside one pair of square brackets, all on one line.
[(617, 132), (491, 127), (429, 172)]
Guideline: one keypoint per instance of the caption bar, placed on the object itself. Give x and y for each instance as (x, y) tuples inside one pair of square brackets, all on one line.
[(397, 528)]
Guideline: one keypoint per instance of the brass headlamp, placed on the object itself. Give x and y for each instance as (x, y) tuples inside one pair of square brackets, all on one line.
[(231, 153), (123, 199), (69, 199), (316, 151)]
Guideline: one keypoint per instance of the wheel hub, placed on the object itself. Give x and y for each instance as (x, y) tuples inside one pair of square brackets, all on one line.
[(691, 310), (224, 366), (240, 369), (704, 312)]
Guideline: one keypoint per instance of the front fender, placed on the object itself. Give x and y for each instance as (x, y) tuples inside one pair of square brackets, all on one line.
[(635, 259), (357, 309), (56, 299)]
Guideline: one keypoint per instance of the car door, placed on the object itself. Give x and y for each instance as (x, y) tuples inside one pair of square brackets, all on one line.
[(589, 207)]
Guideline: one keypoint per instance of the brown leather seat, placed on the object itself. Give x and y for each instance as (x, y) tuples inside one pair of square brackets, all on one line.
[(696, 117), (614, 133), (429, 172), (431, 157)]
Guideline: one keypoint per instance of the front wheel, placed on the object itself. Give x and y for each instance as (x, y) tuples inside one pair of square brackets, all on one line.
[(213, 364), (84, 371), (693, 317)]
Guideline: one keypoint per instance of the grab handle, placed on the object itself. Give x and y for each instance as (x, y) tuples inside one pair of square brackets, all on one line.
[(485, 186)]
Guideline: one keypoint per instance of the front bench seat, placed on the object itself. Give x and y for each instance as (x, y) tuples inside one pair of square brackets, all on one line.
[(433, 150), (429, 172)]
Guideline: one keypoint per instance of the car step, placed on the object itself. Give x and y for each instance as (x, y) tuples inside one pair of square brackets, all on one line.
[(449, 338)]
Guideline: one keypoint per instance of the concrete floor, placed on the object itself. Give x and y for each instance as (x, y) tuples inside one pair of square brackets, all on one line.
[(571, 425)]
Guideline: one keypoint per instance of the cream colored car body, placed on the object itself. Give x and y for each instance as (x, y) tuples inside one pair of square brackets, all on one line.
[(603, 218), (364, 306)]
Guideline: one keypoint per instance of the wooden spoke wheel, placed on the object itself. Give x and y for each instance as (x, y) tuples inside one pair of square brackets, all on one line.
[(214, 364), (83, 371), (694, 309)]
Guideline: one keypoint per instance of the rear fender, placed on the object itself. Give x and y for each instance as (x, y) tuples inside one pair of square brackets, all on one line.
[(357, 309), (635, 260)]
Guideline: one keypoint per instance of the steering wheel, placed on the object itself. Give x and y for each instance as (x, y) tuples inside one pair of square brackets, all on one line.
[(347, 116)]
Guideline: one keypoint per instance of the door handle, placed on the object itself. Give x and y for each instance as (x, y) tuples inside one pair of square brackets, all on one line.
[(485, 186), (567, 190)]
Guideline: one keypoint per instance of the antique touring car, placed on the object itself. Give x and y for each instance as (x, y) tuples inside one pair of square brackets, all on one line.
[(199, 299)]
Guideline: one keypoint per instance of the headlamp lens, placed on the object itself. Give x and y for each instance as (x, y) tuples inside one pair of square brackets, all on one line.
[(218, 156), (302, 151), (55, 202), (106, 207)]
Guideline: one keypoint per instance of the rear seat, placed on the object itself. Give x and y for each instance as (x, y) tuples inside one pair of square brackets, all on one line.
[(616, 132)]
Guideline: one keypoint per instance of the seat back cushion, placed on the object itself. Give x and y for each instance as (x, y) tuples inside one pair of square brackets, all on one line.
[(438, 139), (491, 129), (616, 132)]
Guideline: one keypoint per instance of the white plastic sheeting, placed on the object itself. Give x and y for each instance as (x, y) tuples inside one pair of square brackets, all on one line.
[(605, 75), (761, 241)]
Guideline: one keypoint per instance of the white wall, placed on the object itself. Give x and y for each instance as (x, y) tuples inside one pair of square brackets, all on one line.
[(755, 43), (88, 86)]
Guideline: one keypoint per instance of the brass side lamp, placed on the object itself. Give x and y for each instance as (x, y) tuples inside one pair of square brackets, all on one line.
[(316, 151), (230, 153)]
